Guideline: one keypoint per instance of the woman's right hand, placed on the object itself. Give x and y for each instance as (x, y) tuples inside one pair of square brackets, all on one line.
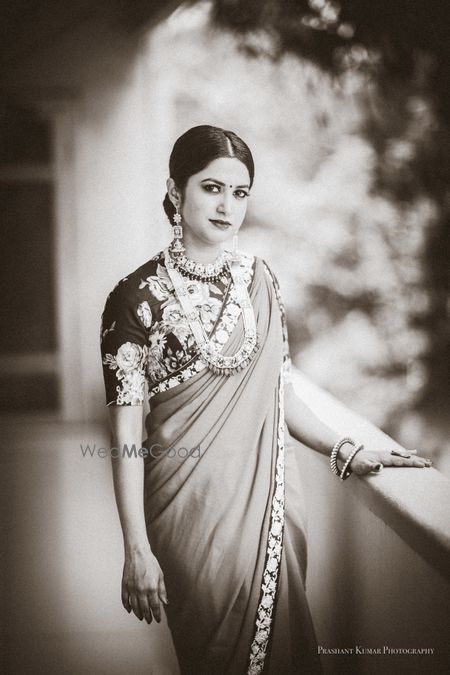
[(143, 585)]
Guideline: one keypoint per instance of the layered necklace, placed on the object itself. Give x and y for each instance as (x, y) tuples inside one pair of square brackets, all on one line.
[(199, 272), (209, 352)]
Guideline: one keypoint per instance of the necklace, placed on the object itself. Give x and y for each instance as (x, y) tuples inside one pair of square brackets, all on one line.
[(200, 272), (208, 351)]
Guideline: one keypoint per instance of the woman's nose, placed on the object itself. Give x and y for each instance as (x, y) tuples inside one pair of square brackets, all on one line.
[(224, 205)]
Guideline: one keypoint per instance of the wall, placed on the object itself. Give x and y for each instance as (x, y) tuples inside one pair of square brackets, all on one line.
[(106, 94), (379, 555)]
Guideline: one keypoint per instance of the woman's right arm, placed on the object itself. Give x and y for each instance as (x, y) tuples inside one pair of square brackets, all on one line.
[(143, 581)]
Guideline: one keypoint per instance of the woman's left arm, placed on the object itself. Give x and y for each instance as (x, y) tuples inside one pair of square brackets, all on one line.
[(307, 428)]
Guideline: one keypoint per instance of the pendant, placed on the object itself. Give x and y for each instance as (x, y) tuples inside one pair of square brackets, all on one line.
[(208, 351)]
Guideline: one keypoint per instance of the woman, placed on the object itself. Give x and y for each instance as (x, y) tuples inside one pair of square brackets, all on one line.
[(219, 536)]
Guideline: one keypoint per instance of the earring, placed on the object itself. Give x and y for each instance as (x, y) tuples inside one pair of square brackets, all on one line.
[(177, 217), (235, 253), (177, 242)]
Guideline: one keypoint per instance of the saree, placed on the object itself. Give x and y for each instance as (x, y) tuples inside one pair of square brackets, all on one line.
[(224, 512)]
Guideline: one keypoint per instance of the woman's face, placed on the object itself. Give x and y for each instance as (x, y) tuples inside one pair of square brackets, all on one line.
[(215, 200)]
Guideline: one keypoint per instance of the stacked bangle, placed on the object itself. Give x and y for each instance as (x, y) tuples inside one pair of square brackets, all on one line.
[(334, 453), (346, 470)]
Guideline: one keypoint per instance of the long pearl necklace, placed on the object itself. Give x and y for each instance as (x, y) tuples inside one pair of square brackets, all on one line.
[(208, 350)]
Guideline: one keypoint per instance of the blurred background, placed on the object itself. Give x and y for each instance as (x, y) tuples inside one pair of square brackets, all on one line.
[(346, 108)]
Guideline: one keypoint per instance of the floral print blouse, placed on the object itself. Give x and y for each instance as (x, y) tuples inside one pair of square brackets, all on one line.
[(145, 337)]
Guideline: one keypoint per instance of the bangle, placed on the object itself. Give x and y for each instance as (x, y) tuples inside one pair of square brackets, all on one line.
[(334, 453), (346, 470)]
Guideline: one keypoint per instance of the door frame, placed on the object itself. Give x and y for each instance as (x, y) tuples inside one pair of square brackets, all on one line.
[(59, 107)]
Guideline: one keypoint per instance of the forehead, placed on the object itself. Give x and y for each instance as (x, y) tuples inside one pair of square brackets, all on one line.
[(227, 170)]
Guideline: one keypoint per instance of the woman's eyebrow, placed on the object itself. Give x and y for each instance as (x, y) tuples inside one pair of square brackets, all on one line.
[(223, 184)]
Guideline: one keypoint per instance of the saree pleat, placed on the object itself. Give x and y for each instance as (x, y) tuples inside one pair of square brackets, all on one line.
[(208, 515)]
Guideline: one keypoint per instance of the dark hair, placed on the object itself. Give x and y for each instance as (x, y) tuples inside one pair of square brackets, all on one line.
[(199, 146)]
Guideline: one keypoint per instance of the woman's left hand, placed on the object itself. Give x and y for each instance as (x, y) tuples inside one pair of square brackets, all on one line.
[(372, 461)]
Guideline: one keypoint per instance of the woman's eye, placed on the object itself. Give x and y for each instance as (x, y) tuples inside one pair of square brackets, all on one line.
[(215, 189)]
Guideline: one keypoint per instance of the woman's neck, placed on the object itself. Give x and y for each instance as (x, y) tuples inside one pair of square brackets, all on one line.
[(200, 251)]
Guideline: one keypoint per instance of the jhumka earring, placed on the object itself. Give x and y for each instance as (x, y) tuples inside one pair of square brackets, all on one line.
[(234, 253), (176, 246)]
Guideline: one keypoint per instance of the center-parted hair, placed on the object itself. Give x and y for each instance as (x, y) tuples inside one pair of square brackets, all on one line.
[(196, 148)]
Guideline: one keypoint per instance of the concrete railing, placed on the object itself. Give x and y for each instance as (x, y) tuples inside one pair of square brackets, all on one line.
[(378, 578)]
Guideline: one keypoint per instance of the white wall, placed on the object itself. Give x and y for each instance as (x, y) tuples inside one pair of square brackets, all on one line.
[(113, 134)]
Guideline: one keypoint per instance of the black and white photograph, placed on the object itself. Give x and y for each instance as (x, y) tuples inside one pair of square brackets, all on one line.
[(225, 337)]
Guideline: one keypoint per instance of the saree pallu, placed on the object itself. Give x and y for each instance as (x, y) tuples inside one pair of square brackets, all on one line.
[(226, 523)]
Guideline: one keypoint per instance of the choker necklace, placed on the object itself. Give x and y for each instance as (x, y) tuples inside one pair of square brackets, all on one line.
[(200, 272), (208, 350)]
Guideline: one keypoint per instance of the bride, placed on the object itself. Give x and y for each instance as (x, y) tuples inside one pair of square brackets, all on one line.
[(211, 504)]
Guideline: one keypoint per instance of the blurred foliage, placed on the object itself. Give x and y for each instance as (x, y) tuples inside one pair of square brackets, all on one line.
[(348, 204), (402, 51)]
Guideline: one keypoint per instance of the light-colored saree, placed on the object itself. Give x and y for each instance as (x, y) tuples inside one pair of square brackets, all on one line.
[(226, 524)]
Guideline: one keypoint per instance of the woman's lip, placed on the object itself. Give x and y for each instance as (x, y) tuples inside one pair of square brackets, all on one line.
[(220, 223)]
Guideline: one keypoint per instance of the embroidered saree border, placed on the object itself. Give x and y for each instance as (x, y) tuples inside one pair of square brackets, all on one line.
[(272, 564), (287, 365)]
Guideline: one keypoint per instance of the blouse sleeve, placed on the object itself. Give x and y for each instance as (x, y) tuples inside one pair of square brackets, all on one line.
[(287, 363), (123, 345)]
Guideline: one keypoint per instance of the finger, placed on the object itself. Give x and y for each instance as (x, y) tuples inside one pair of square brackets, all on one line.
[(364, 465), (145, 607), (427, 461), (405, 451), (369, 466), (418, 462), (162, 591), (135, 606), (398, 461), (422, 461), (400, 453), (154, 605), (126, 599)]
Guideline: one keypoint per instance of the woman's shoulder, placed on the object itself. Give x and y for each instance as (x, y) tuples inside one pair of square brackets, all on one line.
[(253, 259), (266, 266), (268, 270), (130, 286)]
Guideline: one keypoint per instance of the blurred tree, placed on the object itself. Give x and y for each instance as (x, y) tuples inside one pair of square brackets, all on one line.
[(403, 50)]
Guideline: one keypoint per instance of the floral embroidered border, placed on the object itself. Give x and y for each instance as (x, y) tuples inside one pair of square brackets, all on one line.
[(258, 649), (129, 364), (287, 364)]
